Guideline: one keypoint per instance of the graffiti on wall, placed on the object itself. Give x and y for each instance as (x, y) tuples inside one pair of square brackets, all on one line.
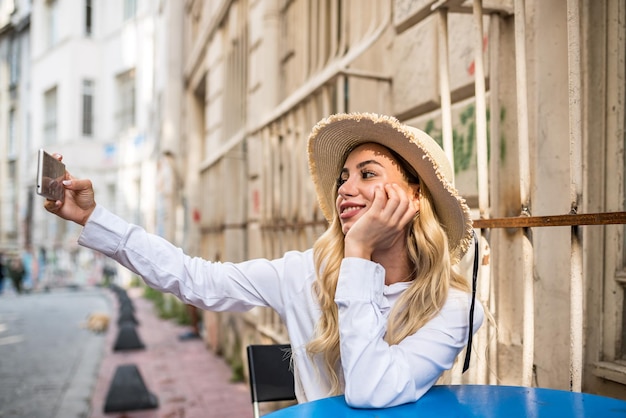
[(464, 144)]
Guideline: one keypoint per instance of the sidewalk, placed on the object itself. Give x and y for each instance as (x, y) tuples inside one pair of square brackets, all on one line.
[(186, 377)]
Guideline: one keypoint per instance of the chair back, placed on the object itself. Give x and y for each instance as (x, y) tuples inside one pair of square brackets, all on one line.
[(271, 376)]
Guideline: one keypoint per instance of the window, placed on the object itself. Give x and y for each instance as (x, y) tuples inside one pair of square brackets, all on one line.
[(51, 22), (136, 209), (125, 114), (14, 62), (88, 17), (88, 92), (12, 145), (130, 9), (235, 86), (111, 196), (302, 54), (50, 117), (10, 192)]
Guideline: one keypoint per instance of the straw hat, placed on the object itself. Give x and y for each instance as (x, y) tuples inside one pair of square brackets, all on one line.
[(332, 139)]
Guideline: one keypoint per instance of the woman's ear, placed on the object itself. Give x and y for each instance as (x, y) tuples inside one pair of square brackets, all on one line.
[(416, 195)]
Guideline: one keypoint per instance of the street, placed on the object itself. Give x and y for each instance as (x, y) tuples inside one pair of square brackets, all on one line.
[(48, 359)]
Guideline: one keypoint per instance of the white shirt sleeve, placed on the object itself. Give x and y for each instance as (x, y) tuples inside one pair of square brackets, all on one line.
[(379, 375), (208, 285)]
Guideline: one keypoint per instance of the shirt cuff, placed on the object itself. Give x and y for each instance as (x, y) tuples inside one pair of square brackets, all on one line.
[(360, 279), (103, 231)]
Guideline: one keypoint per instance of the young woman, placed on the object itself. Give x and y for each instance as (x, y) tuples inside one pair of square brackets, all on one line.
[(374, 310)]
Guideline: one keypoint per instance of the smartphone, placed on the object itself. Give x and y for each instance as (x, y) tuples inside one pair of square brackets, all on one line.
[(50, 174)]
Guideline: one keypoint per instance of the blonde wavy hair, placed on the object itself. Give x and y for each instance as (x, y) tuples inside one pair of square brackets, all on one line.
[(427, 246)]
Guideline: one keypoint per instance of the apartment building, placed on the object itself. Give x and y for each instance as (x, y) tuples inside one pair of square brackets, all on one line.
[(89, 89), (14, 102)]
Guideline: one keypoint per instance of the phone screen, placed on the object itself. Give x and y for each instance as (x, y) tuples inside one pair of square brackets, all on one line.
[(50, 174)]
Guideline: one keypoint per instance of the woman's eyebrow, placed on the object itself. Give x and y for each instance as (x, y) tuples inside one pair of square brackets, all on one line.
[(367, 162), (362, 164)]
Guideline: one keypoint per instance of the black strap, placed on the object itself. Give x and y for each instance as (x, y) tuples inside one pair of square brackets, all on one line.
[(468, 352)]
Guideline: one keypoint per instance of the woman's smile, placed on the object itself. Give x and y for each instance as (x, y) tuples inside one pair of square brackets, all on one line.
[(348, 210)]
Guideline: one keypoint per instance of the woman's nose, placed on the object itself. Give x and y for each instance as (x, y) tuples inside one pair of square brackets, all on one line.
[(347, 188)]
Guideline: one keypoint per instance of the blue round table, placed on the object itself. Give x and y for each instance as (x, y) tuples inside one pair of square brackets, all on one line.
[(467, 401)]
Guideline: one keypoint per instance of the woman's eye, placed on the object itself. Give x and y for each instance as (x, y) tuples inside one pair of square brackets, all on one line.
[(364, 175)]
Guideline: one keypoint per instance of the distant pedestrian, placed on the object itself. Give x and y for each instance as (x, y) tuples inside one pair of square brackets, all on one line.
[(1, 273), (108, 274), (194, 317), (16, 272)]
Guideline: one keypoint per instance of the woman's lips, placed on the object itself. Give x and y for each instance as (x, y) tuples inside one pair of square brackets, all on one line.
[(349, 210)]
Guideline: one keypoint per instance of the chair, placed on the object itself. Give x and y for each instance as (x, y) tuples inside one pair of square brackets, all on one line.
[(271, 377)]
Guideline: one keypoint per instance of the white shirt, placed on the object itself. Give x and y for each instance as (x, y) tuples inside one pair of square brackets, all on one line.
[(375, 373)]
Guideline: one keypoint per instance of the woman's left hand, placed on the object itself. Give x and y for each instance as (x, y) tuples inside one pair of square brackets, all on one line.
[(382, 225)]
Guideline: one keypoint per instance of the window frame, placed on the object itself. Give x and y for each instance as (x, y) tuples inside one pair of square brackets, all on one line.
[(88, 94), (51, 117), (125, 114)]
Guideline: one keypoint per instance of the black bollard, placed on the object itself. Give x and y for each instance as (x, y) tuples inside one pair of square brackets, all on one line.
[(128, 391), (127, 315), (126, 302), (127, 338)]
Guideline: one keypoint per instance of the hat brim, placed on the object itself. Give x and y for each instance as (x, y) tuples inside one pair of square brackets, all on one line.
[(332, 139)]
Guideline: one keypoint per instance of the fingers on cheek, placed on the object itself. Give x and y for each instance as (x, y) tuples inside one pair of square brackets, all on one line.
[(398, 191), (395, 194)]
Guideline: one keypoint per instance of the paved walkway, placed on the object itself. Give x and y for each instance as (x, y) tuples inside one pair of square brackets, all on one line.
[(187, 378)]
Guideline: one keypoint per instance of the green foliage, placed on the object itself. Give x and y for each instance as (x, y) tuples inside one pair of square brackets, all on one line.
[(464, 138), (151, 294), (136, 281), (168, 306), (236, 366), (236, 363), (502, 141)]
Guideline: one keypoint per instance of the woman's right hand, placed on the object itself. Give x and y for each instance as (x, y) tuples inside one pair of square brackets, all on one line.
[(79, 200), (382, 225)]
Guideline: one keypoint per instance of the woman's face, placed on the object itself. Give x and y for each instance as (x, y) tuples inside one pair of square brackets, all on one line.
[(368, 166)]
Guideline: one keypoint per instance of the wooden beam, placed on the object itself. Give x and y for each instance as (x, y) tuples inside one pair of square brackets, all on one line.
[(607, 218)]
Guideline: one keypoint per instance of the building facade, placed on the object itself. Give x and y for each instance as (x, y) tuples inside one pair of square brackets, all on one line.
[(527, 98), (80, 78), (14, 104)]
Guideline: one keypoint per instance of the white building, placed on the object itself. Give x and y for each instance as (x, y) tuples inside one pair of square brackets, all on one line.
[(93, 95), (14, 122)]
